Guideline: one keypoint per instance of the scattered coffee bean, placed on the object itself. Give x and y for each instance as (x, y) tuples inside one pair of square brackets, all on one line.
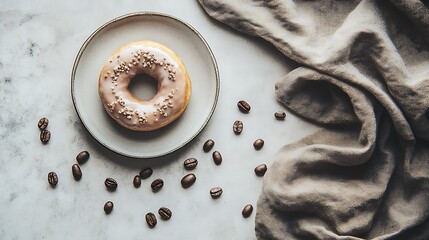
[(216, 192), (190, 163), (258, 144), (110, 184), (280, 115), (243, 106), (157, 184), (77, 173), (52, 179), (247, 210), (188, 180), (82, 157), (165, 213), (108, 207), (146, 173), (137, 181), (45, 136), (217, 157), (43, 123), (260, 170), (237, 127), (151, 220), (208, 145)]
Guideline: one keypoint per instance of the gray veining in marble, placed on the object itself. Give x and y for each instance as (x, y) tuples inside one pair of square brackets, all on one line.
[(38, 43)]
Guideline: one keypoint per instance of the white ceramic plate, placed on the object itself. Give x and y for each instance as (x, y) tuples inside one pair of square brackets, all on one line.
[(176, 35)]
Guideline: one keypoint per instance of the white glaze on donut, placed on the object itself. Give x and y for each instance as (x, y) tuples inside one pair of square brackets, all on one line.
[(154, 60)]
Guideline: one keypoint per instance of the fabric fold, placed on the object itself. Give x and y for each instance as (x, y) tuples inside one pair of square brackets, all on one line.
[(364, 78)]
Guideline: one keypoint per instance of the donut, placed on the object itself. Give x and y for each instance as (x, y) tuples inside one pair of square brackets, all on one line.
[(157, 61)]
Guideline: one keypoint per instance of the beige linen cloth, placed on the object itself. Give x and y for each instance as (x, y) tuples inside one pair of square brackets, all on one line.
[(364, 78)]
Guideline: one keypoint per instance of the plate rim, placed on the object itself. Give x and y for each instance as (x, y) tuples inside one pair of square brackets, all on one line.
[(122, 17)]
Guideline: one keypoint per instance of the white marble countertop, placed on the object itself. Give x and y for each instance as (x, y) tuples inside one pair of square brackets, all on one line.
[(39, 41)]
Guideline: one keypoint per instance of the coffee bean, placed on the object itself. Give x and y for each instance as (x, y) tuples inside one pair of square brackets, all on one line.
[(137, 181), (216, 192), (208, 145), (82, 157), (43, 123), (157, 184), (190, 163), (108, 207), (146, 173), (260, 170), (237, 127), (110, 184), (258, 144), (243, 106), (45, 136), (77, 173), (217, 157), (188, 180), (52, 179), (247, 210), (151, 220), (165, 213), (280, 115)]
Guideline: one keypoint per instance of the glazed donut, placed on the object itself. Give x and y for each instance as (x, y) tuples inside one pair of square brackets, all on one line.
[(157, 61)]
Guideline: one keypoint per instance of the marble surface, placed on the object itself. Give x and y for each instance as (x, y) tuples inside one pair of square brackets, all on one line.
[(39, 41)]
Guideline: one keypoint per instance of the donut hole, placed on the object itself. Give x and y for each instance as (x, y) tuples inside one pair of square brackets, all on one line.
[(143, 87)]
